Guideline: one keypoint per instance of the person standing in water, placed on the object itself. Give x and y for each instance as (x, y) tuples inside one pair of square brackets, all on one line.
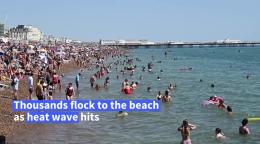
[(125, 82), (70, 93), (121, 114), (77, 80), (219, 134), (229, 110), (39, 90), (106, 82), (244, 130), (50, 90), (92, 80), (185, 129), (159, 96), (166, 97), (30, 85)]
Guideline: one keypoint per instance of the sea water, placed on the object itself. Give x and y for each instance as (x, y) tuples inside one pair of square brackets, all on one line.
[(224, 67)]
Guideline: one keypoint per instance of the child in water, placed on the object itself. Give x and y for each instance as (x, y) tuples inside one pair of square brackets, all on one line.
[(219, 134)]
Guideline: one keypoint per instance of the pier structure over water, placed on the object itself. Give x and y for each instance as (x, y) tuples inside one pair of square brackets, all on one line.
[(147, 44)]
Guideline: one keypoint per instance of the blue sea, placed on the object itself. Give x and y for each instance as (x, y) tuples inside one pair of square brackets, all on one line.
[(224, 67)]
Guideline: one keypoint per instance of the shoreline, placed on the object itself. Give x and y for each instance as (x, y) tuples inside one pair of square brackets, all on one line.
[(8, 126)]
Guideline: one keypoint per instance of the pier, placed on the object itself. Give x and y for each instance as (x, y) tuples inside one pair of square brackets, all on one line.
[(185, 44)]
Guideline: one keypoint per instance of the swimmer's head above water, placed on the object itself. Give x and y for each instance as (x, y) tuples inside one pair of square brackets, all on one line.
[(229, 109), (122, 114), (212, 85)]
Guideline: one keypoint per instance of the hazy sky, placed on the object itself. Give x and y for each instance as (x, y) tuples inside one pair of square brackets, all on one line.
[(157, 20)]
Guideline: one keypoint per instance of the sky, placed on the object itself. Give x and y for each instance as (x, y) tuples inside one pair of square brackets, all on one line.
[(155, 20)]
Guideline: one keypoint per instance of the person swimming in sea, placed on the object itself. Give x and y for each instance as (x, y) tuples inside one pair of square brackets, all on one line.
[(229, 109), (221, 104), (171, 87), (121, 114), (212, 85), (159, 96), (166, 97), (124, 83), (143, 68), (244, 130), (150, 65), (128, 89), (219, 134), (185, 130), (106, 82), (133, 85), (149, 89), (158, 78)]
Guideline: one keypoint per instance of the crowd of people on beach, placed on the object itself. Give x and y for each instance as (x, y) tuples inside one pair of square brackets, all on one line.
[(39, 64)]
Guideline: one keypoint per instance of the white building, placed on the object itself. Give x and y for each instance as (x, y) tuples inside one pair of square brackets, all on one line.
[(25, 33)]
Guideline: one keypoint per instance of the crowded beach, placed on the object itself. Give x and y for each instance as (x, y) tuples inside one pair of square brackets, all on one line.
[(34, 71)]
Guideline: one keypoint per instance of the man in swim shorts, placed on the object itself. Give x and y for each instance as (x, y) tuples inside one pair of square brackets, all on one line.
[(185, 129)]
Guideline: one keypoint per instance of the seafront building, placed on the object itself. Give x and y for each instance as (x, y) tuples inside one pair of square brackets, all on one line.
[(25, 33), (2, 30), (47, 39)]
